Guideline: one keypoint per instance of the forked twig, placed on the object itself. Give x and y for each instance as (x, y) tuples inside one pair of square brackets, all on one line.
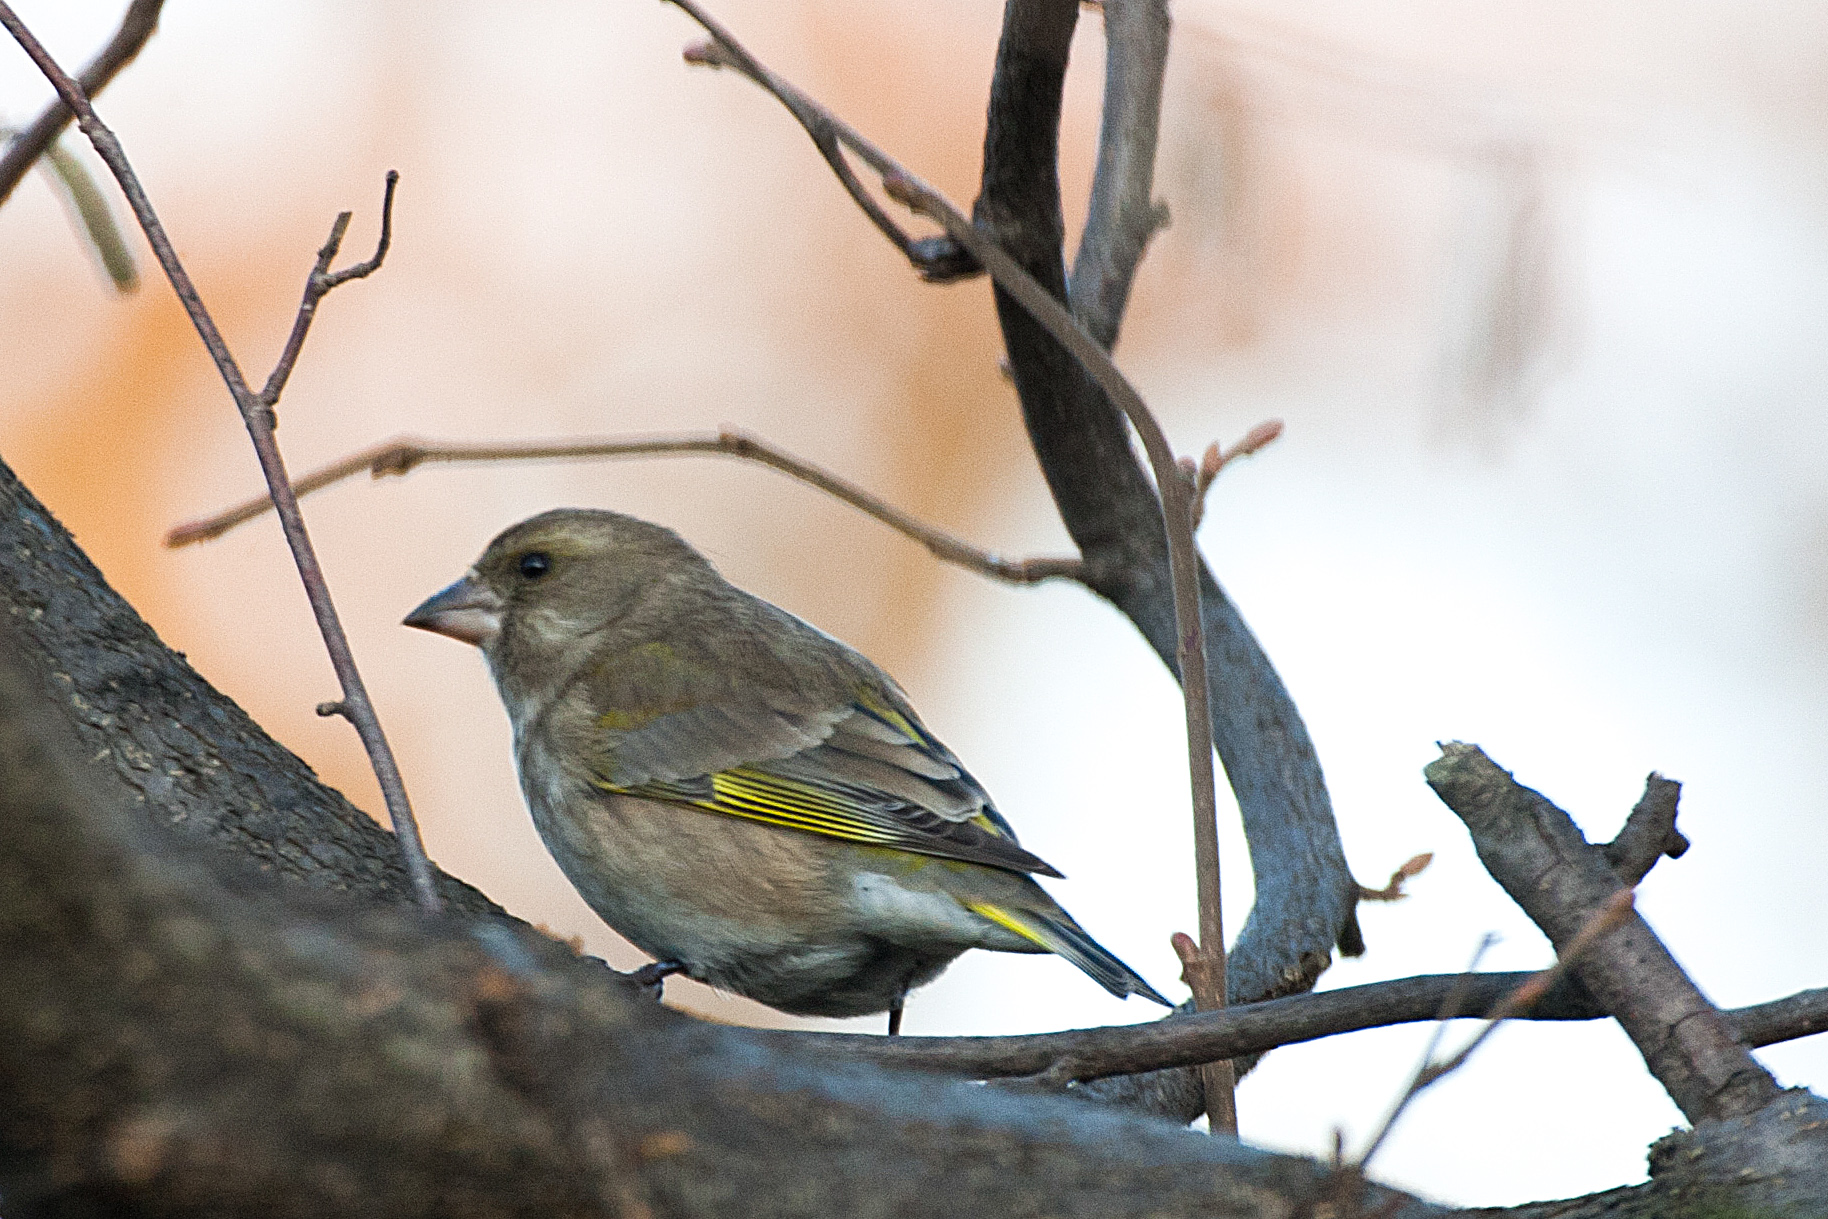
[(1215, 459), (1172, 485), (322, 279), (257, 413), (1414, 866), (1608, 918), (401, 455)]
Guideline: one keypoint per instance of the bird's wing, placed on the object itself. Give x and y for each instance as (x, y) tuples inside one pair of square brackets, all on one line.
[(864, 771)]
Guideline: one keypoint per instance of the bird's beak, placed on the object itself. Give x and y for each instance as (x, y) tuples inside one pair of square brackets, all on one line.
[(468, 610)]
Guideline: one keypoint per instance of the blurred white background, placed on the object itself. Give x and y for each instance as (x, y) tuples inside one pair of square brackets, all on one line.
[(1541, 292)]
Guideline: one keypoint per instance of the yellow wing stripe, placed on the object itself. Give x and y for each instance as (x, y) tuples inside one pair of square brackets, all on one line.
[(770, 791), (757, 795), (776, 801), (783, 798), (893, 718), (851, 831), (1004, 919)]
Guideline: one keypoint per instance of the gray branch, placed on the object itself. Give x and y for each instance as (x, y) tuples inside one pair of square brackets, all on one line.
[(1123, 215), (1536, 852), (1306, 895)]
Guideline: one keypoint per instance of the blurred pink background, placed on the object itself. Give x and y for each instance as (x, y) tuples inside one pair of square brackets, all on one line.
[(1541, 292)]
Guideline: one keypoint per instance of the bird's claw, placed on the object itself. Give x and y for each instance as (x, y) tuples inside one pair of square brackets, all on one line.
[(653, 977)]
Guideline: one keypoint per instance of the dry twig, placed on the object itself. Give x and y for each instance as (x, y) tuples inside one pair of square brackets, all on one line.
[(1649, 833), (1428, 1071), (257, 413), (1415, 865), (1216, 459), (1189, 1039), (937, 259), (405, 453)]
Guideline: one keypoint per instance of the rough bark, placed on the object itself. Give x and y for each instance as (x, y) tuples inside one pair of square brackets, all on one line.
[(171, 744)]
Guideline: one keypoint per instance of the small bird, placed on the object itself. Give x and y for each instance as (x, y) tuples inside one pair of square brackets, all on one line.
[(746, 799)]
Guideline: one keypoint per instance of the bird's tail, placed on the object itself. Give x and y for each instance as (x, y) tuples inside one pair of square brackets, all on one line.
[(1060, 935)]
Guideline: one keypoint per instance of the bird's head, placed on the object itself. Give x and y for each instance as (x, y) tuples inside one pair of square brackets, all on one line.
[(556, 580)]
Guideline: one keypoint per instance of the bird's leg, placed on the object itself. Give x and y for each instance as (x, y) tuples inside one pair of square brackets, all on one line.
[(654, 976), (895, 1014)]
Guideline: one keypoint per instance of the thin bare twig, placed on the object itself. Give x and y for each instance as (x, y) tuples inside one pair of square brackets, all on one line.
[(1415, 865), (1188, 1039), (401, 455), (1175, 490), (319, 283), (1216, 459), (1609, 918), (256, 413), (1454, 1004), (137, 26), (938, 260)]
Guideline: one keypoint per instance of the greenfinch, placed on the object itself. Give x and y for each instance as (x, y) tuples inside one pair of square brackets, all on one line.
[(743, 797)]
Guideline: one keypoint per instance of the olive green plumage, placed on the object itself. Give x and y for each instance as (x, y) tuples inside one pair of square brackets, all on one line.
[(734, 790)]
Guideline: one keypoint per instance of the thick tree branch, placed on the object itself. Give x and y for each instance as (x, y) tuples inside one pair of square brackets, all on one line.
[(137, 26), (168, 741), (258, 416), (1123, 215)]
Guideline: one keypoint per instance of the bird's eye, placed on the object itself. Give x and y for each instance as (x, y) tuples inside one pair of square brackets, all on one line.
[(535, 563)]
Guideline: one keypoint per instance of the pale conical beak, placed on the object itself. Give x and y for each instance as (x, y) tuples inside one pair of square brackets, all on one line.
[(468, 610)]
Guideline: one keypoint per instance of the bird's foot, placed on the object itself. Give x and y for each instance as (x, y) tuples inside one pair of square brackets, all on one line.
[(654, 976)]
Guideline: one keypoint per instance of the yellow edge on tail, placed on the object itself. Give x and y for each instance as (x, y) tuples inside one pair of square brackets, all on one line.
[(1003, 918)]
